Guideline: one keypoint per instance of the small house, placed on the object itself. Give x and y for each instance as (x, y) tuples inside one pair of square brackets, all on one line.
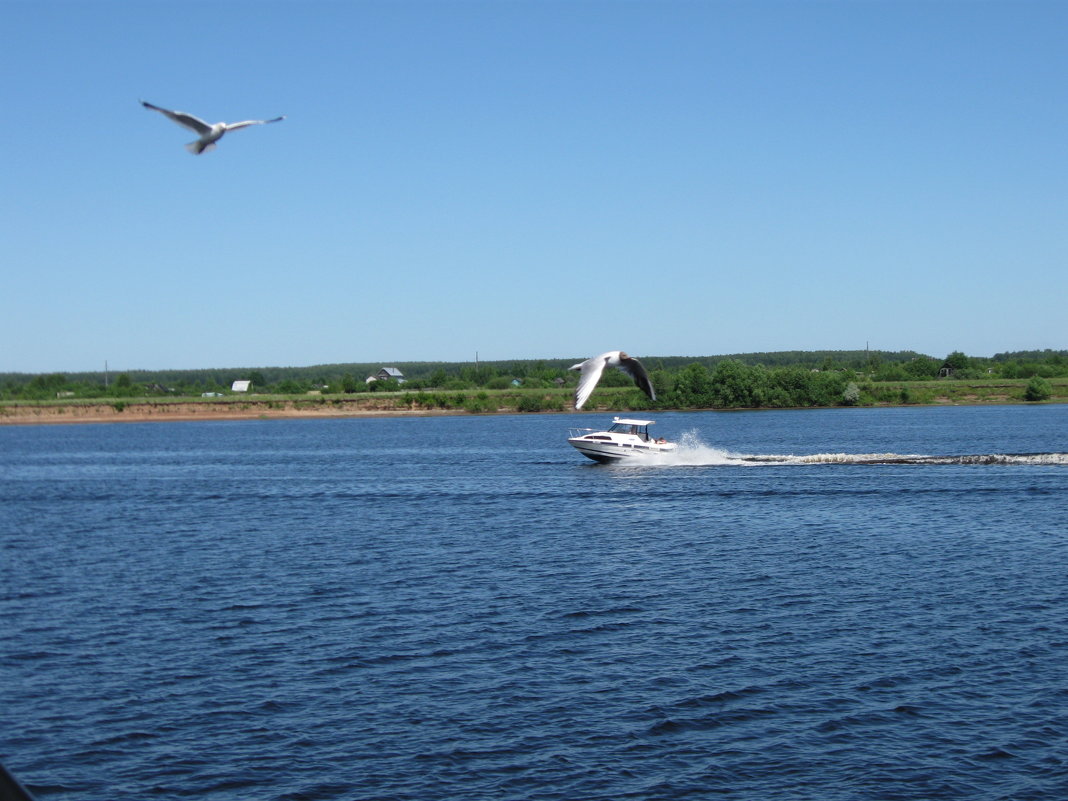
[(390, 373)]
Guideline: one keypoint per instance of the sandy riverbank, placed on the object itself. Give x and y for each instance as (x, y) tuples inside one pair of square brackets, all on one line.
[(176, 411), (279, 409)]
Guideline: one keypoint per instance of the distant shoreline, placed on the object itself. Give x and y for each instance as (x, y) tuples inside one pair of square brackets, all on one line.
[(375, 407), (138, 412)]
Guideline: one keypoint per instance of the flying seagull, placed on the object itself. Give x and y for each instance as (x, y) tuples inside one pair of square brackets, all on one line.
[(590, 373), (209, 134)]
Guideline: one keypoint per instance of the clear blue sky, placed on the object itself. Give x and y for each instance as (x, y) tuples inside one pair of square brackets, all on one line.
[(530, 179)]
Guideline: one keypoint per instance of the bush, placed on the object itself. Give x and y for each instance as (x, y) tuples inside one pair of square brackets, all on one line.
[(291, 387), (921, 367), (638, 402), (1038, 389), (530, 403), (732, 384), (480, 404)]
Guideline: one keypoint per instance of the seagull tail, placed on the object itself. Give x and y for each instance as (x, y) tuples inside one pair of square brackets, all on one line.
[(196, 148)]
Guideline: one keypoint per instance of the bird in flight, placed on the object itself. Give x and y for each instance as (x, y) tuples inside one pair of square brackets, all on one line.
[(590, 373), (209, 134)]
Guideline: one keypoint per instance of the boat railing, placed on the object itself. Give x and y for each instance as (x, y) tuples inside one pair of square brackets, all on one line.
[(580, 432)]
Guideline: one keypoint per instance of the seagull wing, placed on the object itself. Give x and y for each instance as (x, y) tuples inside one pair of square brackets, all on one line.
[(589, 374), (635, 369), (183, 119), (233, 126)]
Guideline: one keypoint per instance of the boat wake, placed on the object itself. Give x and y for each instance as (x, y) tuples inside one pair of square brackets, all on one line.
[(695, 453)]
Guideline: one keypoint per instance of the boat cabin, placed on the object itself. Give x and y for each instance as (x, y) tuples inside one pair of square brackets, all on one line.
[(639, 428)]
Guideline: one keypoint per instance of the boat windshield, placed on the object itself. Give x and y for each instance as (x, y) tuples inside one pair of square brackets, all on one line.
[(629, 428)]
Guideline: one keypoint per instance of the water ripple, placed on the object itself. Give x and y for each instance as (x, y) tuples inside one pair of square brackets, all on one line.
[(263, 612)]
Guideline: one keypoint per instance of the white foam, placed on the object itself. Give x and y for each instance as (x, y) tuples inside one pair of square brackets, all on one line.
[(694, 452)]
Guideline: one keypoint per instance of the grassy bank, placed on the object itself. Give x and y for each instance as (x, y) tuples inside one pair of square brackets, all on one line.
[(977, 391), (430, 402)]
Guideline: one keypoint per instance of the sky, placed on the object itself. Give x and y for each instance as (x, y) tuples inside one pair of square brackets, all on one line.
[(529, 179)]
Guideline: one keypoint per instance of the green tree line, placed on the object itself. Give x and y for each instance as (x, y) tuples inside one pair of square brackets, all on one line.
[(790, 378)]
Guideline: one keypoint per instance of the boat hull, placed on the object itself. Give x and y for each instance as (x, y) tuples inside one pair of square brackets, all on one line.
[(606, 451)]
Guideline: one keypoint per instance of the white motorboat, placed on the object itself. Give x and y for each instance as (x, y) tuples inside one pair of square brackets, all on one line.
[(624, 439)]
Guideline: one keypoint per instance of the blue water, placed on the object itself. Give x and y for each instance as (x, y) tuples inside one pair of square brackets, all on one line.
[(466, 608)]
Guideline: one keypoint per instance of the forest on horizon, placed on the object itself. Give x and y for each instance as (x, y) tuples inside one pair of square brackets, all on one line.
[(870, 365)]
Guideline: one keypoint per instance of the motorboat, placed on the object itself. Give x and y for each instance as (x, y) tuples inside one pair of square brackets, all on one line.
[(624, 439)]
